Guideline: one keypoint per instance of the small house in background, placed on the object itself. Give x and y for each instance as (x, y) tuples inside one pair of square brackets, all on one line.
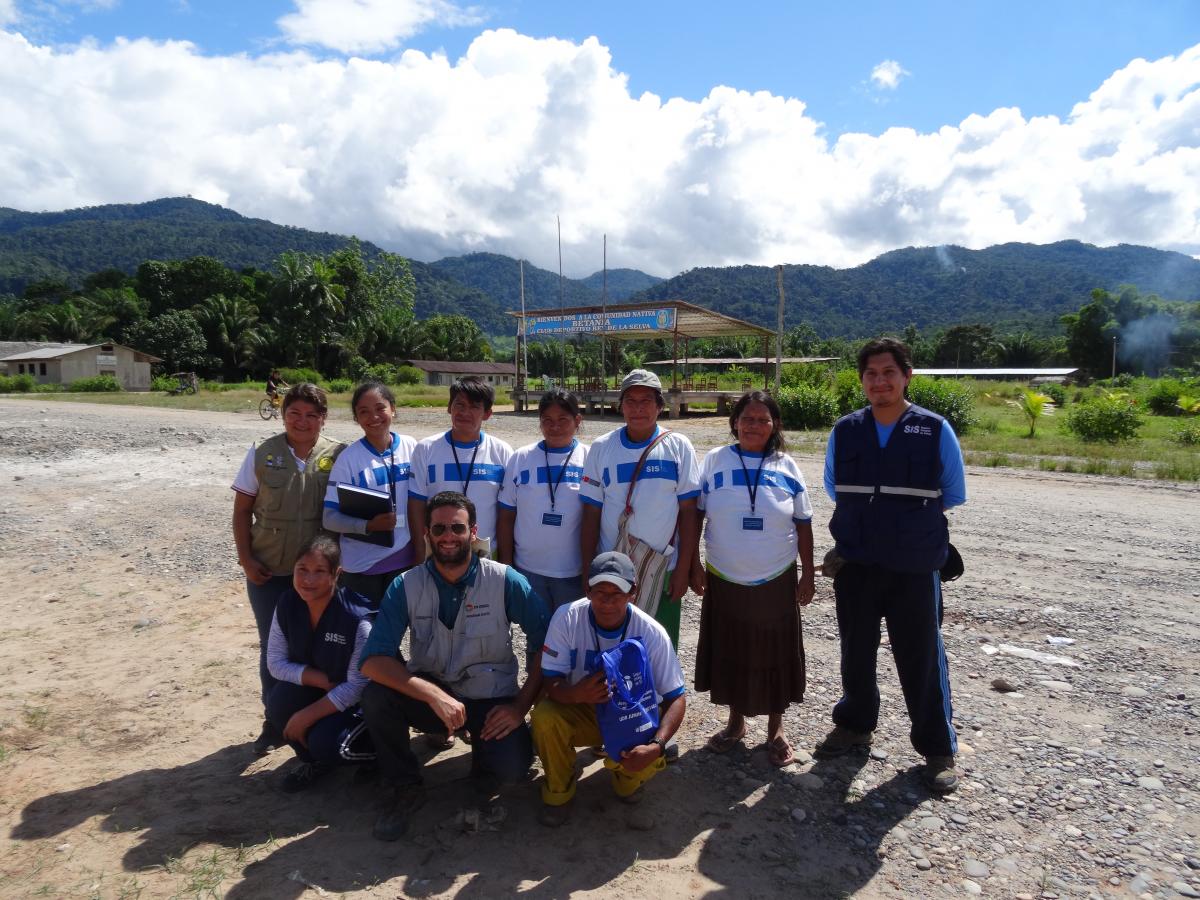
[(439, 372), (63, 364)]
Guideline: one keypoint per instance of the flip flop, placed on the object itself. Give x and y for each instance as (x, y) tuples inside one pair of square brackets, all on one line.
[(723, 741), (779, 753)]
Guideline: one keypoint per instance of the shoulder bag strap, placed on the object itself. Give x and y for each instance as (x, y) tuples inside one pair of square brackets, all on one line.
[(637, 470)]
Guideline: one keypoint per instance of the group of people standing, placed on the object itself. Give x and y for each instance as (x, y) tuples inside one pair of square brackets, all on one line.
[(582, 547)]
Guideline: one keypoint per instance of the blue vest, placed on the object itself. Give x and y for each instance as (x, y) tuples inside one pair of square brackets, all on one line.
[(330, 645), (889, 499)]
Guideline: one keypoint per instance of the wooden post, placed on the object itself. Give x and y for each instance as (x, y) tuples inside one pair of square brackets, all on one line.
[(778, 333)]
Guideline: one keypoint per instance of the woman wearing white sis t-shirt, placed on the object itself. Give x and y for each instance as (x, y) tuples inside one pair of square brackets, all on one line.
[(539, 512), (757, 514)]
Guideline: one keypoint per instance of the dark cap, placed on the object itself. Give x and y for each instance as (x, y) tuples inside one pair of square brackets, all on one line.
[(615, 568)]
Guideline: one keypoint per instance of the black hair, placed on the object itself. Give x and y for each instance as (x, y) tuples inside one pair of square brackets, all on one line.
[(449, 498), (776, 442), (899, 350), (557, 396), (306, 392), (366, 387), (325, 547), (475, 389)]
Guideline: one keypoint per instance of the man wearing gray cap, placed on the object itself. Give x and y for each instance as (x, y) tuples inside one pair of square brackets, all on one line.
[(565, 718), (653, 472)]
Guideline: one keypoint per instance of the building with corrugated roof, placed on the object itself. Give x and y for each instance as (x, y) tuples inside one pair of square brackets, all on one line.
[(65, 363)]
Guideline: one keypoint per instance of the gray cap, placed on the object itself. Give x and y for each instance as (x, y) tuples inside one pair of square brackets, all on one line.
[(641, 378), (615, 568)]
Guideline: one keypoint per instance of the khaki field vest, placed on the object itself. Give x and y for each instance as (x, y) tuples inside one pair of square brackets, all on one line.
[(288, 508), (475, 659)]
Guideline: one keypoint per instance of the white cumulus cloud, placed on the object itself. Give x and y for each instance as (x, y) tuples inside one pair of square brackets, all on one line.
[(430, 156), (367, 26), (887, 75), (8, 12)]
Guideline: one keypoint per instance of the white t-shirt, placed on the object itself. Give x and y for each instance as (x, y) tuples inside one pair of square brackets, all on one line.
[(546, 535), (435, 469), (574, 643), (362, 465), (246, 480), (751, 547), (670, 475)]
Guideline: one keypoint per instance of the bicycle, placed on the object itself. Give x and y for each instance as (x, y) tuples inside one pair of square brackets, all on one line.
[(268, 407)]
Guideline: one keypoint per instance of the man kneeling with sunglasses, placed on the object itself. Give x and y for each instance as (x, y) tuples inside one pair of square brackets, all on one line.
[(461, 672)]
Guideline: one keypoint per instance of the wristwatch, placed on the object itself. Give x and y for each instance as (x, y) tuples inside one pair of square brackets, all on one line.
[(662, 746)]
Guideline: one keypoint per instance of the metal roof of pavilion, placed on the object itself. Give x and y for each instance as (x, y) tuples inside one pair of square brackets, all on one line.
[(690, 321), (747, 361), (59, 351), (995, 373)]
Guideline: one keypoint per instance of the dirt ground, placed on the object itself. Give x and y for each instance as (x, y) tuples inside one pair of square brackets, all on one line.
[(128, 698)]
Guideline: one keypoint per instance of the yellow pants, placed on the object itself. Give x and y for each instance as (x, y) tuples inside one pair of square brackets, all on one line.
[(558, 728)]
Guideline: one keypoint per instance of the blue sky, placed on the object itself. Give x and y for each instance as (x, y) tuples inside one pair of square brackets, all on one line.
[(690, 133), (960, 57)]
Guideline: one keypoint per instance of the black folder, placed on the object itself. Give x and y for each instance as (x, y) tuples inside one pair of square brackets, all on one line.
[(364, 503)]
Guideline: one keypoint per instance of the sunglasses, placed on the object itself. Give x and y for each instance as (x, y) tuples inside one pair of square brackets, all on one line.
[(458, 528)]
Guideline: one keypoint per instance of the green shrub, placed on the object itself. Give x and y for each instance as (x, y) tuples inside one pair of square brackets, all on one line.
[(163, 383), (1104, 419), (409, 375), (1055, 392), (298, 376), (807, 408), (847, 388), (48, 388), (1163, 397), (340, 385), (794, 374), (952, 400), (96, 384), (17, 384), (1188, 433)]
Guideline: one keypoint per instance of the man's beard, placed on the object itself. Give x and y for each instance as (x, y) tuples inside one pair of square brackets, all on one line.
[(456, 557)]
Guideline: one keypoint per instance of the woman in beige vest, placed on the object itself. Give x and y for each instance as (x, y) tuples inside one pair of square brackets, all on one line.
[(278, 494)]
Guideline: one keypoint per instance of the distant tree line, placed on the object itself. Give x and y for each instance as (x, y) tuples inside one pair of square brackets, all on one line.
[(336, 313)]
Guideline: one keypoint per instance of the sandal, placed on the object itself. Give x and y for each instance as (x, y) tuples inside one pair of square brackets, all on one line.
[(779, 752), (723, 741)]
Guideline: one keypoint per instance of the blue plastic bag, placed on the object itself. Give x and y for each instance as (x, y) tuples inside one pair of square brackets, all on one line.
[(630, 717)]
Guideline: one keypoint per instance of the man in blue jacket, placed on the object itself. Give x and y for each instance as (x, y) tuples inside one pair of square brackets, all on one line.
[(892, 469)]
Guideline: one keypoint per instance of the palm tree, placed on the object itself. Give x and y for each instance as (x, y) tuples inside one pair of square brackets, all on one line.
[(230, 326), (1033, 405)]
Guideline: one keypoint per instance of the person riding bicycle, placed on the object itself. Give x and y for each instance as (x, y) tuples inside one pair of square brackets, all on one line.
[(274, 383)]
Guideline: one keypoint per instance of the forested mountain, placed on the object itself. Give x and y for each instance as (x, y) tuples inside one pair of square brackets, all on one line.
[(68, 246), (1010, 286)]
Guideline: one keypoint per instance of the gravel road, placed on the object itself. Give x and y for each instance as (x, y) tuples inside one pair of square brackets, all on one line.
[(129, 689)]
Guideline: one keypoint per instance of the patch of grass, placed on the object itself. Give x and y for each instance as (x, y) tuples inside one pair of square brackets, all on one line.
[(35, 717), (1048, 465), (203, 876), (4, 754), (1095, 466), (1068, 465), (1178, 468), (996, 460)]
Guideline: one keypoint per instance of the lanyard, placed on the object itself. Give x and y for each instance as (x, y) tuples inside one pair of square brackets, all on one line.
[(752, 490), (392, 471), (552, 486), (596, 632), (471, 471)]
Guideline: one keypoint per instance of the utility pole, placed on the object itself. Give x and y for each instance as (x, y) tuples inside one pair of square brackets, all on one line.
[(779, 332), (1114, 362)]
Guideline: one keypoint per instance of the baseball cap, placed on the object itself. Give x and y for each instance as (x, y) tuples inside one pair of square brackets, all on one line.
[(641, 378), (615, 568)]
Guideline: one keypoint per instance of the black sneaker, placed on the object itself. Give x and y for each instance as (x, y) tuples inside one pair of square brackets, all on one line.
[(393, 821), (841, 741), (939, 775), (304, 776), (270, 738)]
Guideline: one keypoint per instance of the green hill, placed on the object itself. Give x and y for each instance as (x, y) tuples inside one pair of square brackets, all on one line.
[(1009, 286), (71, 244)]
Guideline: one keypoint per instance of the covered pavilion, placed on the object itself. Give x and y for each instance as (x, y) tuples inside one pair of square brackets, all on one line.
[(679, 320)]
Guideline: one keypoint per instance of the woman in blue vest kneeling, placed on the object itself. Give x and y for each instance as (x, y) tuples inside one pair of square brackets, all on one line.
[(317, 635)]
